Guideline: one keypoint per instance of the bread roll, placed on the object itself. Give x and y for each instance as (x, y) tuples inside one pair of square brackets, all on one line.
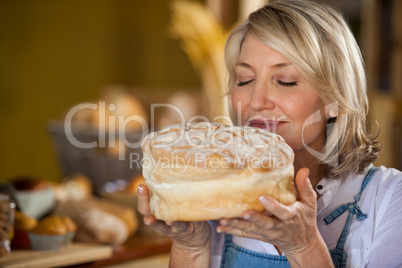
[(207, 171), (50, 225), (69, 224), (74, 187), (23, 221), (100, 221), (120, 103)]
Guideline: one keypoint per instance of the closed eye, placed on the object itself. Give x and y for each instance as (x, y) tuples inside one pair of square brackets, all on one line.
[(287, 84), (243, 83)]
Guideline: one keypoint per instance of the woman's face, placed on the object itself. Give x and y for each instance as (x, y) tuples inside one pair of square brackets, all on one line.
[(270, 93)]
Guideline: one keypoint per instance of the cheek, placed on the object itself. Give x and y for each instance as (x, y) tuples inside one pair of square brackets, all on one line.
[(239, 103), (303, 108), (311, 124)]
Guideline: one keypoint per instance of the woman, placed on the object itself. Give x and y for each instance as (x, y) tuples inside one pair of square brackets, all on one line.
[(295, 69)]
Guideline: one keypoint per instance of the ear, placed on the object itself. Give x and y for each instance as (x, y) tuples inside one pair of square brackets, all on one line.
[(332, 113), (332, 109)]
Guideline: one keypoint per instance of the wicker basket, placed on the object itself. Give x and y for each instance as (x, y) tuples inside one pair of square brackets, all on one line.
[(100, 164)]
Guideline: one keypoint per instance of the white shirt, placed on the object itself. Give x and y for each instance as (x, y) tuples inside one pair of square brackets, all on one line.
[(372, 243)]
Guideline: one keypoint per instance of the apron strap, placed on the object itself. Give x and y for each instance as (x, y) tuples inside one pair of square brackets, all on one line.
[(366, 180), (353, 208), (228, 238)]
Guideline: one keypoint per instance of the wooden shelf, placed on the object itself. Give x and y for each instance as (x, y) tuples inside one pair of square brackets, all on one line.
[(90, 255), (139, 246), (70, 255)]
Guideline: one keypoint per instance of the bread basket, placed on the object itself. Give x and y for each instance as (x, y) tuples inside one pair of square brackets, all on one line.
[(106, 165)]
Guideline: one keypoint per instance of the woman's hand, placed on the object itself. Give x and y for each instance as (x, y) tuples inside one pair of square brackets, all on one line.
[(191, 240), (292, 228)]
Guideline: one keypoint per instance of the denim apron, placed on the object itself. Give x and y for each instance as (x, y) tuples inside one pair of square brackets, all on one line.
[(235, 256)]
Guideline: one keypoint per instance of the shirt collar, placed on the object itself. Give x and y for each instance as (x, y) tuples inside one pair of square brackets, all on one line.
[(326, 188)]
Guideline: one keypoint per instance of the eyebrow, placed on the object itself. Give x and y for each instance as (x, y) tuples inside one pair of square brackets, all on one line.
[(276, 66)]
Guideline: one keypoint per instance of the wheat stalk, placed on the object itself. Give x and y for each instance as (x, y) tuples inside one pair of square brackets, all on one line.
[(203, 39)]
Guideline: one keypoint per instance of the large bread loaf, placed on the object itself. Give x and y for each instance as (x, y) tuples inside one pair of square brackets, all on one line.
[(207, 171)]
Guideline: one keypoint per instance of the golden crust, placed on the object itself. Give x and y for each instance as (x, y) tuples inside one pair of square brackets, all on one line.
[(50, 225), (208, 171)]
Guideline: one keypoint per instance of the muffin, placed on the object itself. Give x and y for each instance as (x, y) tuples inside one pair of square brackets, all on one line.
[(71, 228), (22, 225), (51, 233)]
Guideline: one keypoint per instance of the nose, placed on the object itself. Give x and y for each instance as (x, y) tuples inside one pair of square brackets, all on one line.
[(262, 98)]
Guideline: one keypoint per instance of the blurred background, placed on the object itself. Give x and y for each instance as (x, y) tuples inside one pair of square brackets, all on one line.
[(57, 54)]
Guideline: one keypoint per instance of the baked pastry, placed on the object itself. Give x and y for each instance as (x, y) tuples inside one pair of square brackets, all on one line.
[(22, 225), (120, 103), (23, 221), (50, 225), (52, 233), (134, 182), (207, 171), (100, 221), (69, 224), (74, 187)]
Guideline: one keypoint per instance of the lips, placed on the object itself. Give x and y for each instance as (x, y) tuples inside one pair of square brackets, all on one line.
[(269, 125)]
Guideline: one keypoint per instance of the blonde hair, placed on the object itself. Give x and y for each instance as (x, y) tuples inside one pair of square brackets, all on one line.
[(316, 39)]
